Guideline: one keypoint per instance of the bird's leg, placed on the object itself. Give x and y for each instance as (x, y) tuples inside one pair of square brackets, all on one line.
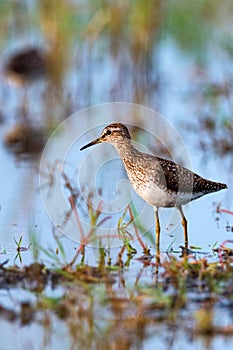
[(24, 107), (157, 225), (184, 224), (157, 240)]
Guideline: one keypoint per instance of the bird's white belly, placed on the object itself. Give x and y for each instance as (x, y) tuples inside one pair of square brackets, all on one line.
[(161, 197)]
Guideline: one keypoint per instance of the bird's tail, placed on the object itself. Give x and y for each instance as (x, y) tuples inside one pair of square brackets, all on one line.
[(216, 186)]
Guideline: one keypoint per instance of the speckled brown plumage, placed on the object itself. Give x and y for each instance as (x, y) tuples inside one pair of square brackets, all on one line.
[(180, 177), (160, 182)]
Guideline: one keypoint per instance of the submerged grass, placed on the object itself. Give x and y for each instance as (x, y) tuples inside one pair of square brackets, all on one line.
[(106, 305), (107, 300), (93, 299)]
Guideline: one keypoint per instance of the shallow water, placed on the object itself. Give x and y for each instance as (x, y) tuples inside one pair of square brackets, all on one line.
[(172, 89)]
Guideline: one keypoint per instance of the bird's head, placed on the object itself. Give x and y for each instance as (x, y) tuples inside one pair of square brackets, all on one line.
[(113, 133)]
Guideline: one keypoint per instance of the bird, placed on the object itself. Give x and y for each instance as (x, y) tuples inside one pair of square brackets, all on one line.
[(26, 66), (160, 182), (23, 68)]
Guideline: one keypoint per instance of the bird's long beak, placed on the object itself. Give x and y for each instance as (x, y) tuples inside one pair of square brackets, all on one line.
[(92, 143)]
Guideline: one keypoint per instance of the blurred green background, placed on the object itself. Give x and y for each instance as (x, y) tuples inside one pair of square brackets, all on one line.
[(134, 51)]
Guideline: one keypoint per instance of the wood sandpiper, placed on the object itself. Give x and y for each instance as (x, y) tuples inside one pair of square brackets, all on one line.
[(160, 182)]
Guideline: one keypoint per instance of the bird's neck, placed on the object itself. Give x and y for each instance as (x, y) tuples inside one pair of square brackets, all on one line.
[(126, 149)]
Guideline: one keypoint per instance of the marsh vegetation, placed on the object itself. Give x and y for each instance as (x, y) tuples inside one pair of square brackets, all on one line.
[(89, 292)]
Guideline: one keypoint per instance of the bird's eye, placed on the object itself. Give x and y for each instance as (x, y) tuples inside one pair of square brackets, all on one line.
[(109, 132)]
